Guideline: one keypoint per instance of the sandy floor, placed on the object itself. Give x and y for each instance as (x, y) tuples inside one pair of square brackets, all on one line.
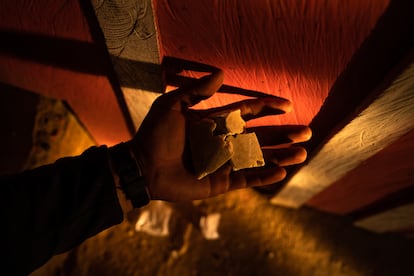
[(256, 238)]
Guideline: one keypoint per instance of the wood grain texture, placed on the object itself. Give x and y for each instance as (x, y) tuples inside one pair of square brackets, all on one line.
[(392, 220), (293, 49), (130, 36), (36, 56), (381, 123), (386, 172)]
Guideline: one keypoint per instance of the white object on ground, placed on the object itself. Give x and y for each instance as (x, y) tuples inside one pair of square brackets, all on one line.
[(154, 220), (209, 226)]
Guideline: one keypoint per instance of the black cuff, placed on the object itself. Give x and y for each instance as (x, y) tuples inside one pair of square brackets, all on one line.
[(133, 183)]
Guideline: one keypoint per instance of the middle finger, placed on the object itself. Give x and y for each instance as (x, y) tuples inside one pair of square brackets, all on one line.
[(281, 136), (252, 108)]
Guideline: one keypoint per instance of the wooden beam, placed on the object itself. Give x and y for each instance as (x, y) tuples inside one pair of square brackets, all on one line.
[(389, 212), (385, 120), (380, 61), (131, 38), (381, 175), (393, 220)]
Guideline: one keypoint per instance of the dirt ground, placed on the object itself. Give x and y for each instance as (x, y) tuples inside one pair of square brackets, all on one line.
[(256, 238)]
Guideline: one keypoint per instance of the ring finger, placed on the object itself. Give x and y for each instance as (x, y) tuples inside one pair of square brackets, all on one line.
[(285, 156)]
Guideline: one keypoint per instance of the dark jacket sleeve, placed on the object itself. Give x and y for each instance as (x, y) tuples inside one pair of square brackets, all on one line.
[(53, 208)]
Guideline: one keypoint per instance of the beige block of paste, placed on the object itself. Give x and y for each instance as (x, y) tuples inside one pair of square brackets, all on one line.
[(215, 141), (230, 124), (247, 151), (209, 152)]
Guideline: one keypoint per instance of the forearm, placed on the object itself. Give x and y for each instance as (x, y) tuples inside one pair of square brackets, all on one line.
[(53, 208)]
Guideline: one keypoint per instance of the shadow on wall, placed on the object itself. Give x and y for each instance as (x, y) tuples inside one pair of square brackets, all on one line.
[(74, 55)]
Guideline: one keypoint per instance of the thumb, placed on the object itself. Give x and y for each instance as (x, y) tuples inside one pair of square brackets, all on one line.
[(201, 89)]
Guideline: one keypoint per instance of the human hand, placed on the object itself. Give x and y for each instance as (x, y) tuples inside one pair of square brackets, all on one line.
[(160, 144)]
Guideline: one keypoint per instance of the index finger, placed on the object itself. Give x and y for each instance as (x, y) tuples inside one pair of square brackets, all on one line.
[(199, 90), (253, 108), (271, 136)]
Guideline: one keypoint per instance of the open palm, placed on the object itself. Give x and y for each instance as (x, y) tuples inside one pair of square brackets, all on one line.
[(160, 144)]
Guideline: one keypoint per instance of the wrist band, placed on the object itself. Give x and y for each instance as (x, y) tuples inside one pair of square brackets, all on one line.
[(132, 182)]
